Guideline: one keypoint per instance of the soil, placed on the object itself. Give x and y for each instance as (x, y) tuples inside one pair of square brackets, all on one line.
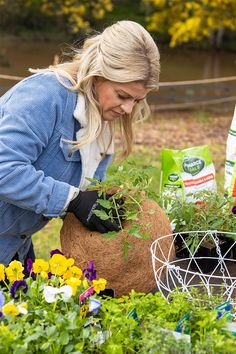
[(184, 129)]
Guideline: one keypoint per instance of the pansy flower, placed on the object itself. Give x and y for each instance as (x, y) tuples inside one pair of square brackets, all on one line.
[(94, 306), (58, 264), (74, 271), (74, 283), (52, 294), (29, 268), (40, 265), (85, 283), (14, 271), (16, 286), (99, 285), (2, 272), (90, 272), (23, 308), (44, 275), (10, 309), (56, 251)]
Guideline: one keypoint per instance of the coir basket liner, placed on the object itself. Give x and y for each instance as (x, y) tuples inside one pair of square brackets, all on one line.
[(122, 275)]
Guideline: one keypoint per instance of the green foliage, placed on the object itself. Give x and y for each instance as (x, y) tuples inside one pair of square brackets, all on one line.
[(69, 16), (126, 9), (188, 20), (128, 186), (136, 323), (150, 331), (211, 212)]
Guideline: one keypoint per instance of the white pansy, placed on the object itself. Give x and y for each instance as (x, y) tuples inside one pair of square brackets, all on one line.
[(94, 305), (52, 294), (23, 310)]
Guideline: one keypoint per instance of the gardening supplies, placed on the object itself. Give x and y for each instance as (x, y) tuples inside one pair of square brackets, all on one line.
[(211, 212), (186, 172), (230, 173), (122, 274)]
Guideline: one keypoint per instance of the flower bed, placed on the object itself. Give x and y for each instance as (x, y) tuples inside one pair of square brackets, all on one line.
[(48, 309), (58, 309)]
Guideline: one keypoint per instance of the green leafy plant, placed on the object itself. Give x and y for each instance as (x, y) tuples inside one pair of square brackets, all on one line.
[(152, 326), (212, 211), (128, 185), (136, 323)]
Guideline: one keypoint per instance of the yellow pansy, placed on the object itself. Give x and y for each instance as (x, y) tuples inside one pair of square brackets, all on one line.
[(99, 285), (10, 309), (40, 265), (85, 283), (74, 271), (70, 262), (74, 283), (44, 275), (14, 271), (2, 273), (58, 264)]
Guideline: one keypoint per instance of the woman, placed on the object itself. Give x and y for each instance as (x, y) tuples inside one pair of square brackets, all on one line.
[(57, 128)]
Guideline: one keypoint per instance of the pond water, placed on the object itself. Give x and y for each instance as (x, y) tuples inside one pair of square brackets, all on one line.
[(16, 56)]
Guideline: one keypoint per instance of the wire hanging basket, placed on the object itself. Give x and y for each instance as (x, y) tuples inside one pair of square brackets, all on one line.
[(210, 265)]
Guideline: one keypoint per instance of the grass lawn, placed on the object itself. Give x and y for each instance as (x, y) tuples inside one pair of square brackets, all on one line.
[(163, 130)]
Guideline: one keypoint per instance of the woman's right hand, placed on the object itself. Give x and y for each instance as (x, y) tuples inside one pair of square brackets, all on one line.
[(83, 207)]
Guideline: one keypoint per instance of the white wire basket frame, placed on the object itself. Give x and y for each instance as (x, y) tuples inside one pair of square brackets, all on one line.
[(210, 274)]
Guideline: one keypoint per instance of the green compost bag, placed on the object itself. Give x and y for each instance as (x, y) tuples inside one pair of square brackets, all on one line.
[(186, 172)]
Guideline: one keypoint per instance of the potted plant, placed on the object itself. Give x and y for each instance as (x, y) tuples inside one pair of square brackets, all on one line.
[(211, 212), (127, 251)]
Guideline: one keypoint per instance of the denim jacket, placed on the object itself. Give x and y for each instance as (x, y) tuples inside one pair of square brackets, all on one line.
[(37, 166)]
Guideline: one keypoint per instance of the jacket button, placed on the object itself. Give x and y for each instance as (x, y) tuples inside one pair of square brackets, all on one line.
[(23, 237)]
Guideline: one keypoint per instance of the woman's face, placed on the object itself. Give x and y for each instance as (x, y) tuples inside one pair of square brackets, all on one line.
[(116, 99)]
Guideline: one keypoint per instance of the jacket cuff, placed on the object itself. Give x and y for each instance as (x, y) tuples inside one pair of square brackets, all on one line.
[(58, 200)]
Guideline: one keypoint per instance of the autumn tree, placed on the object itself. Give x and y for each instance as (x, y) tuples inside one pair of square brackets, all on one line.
[(71, 15), (191, 20), (77, 14)]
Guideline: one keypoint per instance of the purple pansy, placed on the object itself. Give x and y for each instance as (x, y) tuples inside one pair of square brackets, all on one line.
[(56, 251), (17, 285), (90, 273), (29, 268), (234, 209)]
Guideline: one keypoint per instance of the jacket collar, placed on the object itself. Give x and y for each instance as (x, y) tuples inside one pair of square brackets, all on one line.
[(81, 117)]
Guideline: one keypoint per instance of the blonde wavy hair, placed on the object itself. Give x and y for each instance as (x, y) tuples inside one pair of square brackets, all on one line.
[(123, 52)]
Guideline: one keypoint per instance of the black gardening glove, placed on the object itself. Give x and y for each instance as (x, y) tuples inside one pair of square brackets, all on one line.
[(83, 207)]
